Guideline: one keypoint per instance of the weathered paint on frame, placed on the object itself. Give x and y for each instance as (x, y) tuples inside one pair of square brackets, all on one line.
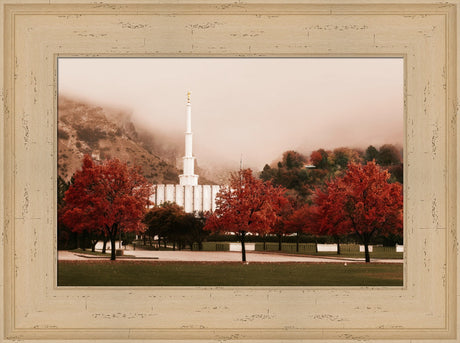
[(34, 35)]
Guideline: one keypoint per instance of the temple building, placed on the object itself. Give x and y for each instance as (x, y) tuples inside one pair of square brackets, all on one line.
[(188, 178), (188, 193)]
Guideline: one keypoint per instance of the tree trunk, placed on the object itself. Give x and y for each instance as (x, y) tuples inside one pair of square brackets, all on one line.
[(104, 245), (112, 244), (93, 245), (279, 242), (243, 248), (366, 239), (366, 252), (83, 245), (338, 245), (297, 242), (316, 245)]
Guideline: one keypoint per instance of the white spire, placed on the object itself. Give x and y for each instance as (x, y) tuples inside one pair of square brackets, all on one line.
[(188, 178)]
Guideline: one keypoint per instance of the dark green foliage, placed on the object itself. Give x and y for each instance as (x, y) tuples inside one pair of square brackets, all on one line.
[(341, 159), (389, 155), (396, 172), (171, 224), (289, 173), (62, 187), (292, 172), (66, 238), (371, 154), (293, 160), (268, 173)]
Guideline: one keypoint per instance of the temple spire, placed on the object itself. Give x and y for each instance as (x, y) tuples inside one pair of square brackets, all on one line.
[(188, 178)]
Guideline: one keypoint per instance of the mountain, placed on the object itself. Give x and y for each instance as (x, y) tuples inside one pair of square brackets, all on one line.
[(104, 133)]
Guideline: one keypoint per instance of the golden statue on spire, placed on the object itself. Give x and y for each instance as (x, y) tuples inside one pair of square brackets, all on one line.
[(188, 97)]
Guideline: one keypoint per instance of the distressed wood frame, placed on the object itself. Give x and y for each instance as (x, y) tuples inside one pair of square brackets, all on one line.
[(34, 34)]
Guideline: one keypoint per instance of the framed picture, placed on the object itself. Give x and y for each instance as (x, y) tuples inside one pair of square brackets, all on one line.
[(36, 36), (268, 120)]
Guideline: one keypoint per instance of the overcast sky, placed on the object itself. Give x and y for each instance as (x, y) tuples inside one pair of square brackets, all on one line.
[(251, 107)]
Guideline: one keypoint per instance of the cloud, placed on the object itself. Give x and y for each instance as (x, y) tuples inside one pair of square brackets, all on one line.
[(255, 107)]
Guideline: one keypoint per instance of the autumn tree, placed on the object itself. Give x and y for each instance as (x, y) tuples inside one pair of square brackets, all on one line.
[(279, 228), (320, 159), (362, 202), (329, 224), (303, 220), (246, 205), (109, 197)]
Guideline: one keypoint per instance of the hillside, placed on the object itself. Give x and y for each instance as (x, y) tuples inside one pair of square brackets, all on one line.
[(103, 134)]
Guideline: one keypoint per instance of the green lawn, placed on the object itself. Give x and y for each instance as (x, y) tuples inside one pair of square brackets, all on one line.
[(147, 273)]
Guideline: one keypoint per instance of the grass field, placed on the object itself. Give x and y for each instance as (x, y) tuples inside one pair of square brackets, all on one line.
[(146, 273)]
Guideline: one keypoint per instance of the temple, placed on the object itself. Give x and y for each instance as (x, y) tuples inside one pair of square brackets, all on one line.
[(188, 178), (188, 193)]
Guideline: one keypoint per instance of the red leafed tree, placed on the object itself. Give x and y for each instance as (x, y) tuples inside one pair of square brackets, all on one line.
[(246, 205), (362, 202), (329, 223), (279, 228), (303, 220), (109, 197)]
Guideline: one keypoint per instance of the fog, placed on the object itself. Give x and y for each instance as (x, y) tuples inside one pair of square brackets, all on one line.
[(249, 108)]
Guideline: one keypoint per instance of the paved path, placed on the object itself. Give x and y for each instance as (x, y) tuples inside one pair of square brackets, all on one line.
[(223, 256)]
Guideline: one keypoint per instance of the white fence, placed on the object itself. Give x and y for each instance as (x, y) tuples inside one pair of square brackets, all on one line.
[(399, 248), (361, 248), (327, 247), (247, 246), (108, 246)]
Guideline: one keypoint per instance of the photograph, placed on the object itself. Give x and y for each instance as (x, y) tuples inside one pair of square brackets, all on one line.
[(237, 171), (230, 171)]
